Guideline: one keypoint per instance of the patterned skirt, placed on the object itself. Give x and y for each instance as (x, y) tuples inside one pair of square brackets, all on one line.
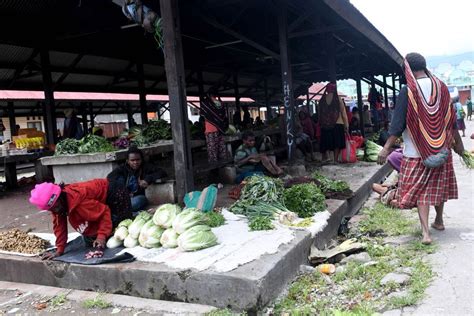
[(419, 185)]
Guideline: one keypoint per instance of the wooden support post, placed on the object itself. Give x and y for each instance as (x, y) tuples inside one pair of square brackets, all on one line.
[(269, 115), (49, 108), (393, 89), (331, 58), (130, 114), (287, 80), (175, 77), (142, 93), (83, 112), (91, 114), (307, 102), (11, 119), (360, 105), (385, 94), (237, 98), (200, 88), (11, 175)]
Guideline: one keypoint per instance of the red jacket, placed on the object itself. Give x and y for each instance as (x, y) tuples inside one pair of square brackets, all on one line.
[(88, 214)]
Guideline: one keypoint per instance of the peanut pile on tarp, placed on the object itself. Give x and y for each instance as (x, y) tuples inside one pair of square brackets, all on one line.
[(15, 240)]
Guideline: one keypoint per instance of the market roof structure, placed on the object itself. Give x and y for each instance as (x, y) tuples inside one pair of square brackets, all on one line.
[(94, 48), (268, 50)]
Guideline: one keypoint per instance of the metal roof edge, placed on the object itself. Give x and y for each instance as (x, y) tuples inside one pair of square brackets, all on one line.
[(358, 21)]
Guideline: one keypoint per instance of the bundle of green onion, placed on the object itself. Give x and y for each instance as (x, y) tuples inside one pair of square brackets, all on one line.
[(468, 159)]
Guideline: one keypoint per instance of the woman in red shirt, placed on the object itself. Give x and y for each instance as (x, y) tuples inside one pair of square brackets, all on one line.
[(93, 208)]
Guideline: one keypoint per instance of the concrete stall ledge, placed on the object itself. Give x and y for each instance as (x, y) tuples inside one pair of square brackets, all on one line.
[(249, 287), (83, 167)]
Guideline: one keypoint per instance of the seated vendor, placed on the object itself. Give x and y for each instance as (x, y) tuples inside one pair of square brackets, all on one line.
[(136, 176), (249, 162), (93, 208)]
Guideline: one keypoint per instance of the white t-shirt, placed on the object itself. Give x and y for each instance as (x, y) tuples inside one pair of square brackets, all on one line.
[(410, 150)]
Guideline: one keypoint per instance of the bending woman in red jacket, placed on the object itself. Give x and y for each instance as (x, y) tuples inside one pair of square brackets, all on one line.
[(93, 207)]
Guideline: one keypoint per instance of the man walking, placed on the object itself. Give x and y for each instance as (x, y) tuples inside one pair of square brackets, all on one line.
[(426, 120)]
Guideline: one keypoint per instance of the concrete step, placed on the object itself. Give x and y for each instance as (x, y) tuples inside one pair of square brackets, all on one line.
[(154, 307)]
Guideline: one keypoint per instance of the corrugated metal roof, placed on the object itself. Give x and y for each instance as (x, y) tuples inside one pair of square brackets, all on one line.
[(102, 63), (14, 54)]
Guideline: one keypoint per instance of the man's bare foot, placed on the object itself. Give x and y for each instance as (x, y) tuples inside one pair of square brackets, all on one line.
[(437, 226), (426, 240)]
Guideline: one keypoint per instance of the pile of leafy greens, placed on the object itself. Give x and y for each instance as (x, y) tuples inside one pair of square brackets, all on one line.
[(87, 145), (261, 197), (68, 146), (305, 199)]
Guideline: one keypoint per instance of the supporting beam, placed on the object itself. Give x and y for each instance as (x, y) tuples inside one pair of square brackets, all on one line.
[(267, 100), (91, 114), (385, 94), (83, 112), (11, 119), (237, 98), (319, 30), (331, 58), (130, 114), (287, 80), (175, 77), (393, 89), (22, 67), (360, 105), (142, 94), (211, 21), (307, 102), (49, 108), (66, 73)]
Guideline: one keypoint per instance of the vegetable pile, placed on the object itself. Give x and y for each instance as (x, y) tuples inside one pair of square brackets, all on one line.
[(261, 200), (371, 152), (16, 240), (87, 145), (468, 159), (142, 135), (305, 199), (69, 146), (169, 227), (332, 189), (94, 144)]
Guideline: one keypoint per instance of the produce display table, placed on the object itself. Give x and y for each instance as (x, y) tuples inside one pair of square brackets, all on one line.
[(83, 167), (9, 162)]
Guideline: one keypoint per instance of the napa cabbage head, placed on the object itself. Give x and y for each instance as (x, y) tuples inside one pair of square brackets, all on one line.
[(150, 235), (121, 233), (130, 242), (165, 214), (196, 238), (125, 223), (113, 242), (169, 238), (135, 228), (188, 218)]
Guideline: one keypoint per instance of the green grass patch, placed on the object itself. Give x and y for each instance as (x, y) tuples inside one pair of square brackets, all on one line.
[(357, 289), (58, 300), (97, 302), (392, 222), (224, 312)]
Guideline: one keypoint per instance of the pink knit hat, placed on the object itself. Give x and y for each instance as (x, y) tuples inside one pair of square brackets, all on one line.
[(44, 195)]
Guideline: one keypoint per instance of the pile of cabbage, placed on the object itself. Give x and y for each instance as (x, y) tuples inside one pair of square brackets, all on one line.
[(169, 227)]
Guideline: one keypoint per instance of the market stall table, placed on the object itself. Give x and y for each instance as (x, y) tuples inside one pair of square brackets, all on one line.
[(9, 162)]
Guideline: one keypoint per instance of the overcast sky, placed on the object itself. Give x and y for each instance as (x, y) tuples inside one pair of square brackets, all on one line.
[(429, 27)]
